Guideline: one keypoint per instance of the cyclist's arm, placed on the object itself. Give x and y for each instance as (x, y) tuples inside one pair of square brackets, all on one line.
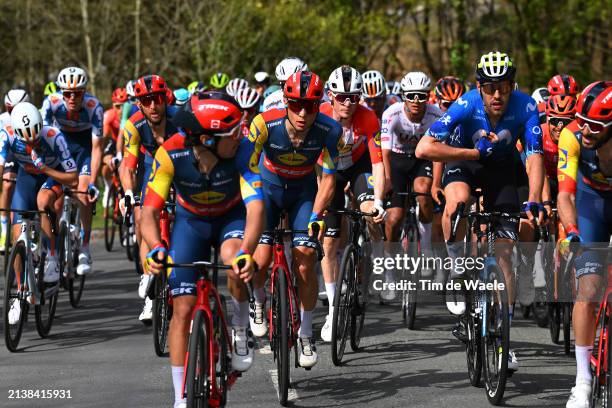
[(567, 173), (65, 178), (325, 193), (378, 168), (546, 190), (127, 170), (535, 156), (385, 144), (158, 188), (46, 112), (96, 139)]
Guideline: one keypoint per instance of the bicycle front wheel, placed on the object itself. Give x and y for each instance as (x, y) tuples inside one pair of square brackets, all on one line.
[(409, 300), (44, 312), (109, 219), (161, 315), (359, 302), (280, 333), (343, 304), (472, 346), (15, 304), (197, 377), (567, 327)]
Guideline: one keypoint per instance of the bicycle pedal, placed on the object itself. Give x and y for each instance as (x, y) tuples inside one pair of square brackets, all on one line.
[(459, 335)]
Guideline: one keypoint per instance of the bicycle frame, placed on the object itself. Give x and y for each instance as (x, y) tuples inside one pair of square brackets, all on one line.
[(599, 361), (29, 229)]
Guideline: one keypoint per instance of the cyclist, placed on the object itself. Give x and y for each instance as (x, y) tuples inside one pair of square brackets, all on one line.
[(284, 70), (585, 208), (146, 129), (44, 165), (359, 158), (209, 212), (110, 159), (79, 116), (374, 92), (394, 91), (181, 96), (262, 81), (248, 99), (50, 88), (196, 86), (492, 117), (403, 125), (277, 163), (219, 81), (12, 98), (563, 84), (236, 85)]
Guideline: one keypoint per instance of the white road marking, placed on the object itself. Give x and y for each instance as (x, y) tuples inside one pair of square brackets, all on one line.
[(291, 393)]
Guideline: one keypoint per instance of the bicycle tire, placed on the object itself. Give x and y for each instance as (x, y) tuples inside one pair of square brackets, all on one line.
[(196, 374), (567, 326), (343, 305), (361, 302), (161, 316), (130, 244), (554, 322), (44, 312), (608, 357), (280, 333), (109, 219), (472, 346), (76, 282), (61, 255), (411, 295), (224, 359), (497, 329), (12, 333)]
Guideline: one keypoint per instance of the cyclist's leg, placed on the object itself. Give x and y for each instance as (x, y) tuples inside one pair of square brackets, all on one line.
[(422, 184), (400, 171), (48, 194), (24, 198), (458, 180), (526, 246), (8, 187)]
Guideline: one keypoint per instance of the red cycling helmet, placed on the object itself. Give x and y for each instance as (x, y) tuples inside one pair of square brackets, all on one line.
[(562, 85), (449, 88), (561, 105), (150, 84), (304, 85), (119, 95), (212, 113), (595, 103)]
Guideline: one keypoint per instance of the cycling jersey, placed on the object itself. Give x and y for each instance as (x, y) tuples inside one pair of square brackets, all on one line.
[(274, 101), (520, 118), (572, 157), (399, 134), (363, 136), (5, 119), (551, 152), (9, 164), (542, 112), (210, 195), (127, 111), (282, 164), (111, 123)]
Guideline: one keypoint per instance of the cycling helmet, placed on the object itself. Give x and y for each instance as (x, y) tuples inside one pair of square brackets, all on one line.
[(449, 88), (393, 87), (150, 84), (15, 96), (540, 95), (595, 103), (563, 85), (181, 95), (304, 85), (415, 82), (196, 86), (270, 89), (219, 80), (373, 84), (212, 113), (262, 77), (289, 66), (345, 79), (119, 95), (72, 78), (50, 88), (247, 97), (561, 105), (26, 122), (235, 85), (495, 66), (129, 89)]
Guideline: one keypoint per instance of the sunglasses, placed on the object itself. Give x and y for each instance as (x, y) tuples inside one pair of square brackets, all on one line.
[(504, 87), (594, 126), (376, 99), (446, 104), (352, 98), (296, 105), (158, 98), (559, 121), (117, 105), (69, 94), (415, 96)]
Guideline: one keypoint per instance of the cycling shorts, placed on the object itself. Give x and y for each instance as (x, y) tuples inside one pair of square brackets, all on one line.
[(79, 146), (297, 201), (404, 169), (499, 186), (191, 240), (26, 191), (10, 167), (362, 186)]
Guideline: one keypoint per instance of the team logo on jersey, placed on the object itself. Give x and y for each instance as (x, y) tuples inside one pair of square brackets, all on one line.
[(208, 197), (377, 139), (253, 136), (370, 180), (91, 103), (531, 107), (156, 165), (462, 102), (446, 119), (536, 130), (292, 159), (563, 159)]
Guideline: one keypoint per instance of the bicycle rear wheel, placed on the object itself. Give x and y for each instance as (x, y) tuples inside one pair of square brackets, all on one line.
[(76, 282), (130, 244), (44, 312), (360, 302), (224, 358), (197, 376), (14, 296), (161, 315), (280, 333), (567, 326), (109, 219), (554, 321), (495, 343), (472, 346), (343, 304), (409, 302)]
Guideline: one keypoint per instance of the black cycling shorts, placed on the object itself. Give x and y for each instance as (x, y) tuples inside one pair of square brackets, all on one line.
[(404, 169)]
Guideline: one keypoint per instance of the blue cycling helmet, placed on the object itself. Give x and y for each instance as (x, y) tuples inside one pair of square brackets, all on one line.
[(181, 95), (270, 89)]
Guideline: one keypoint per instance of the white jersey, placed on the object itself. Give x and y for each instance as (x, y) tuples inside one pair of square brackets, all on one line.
[(274, 101), (5, 119), (399, 134)]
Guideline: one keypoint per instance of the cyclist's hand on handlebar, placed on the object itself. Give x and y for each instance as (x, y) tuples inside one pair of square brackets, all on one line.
[(549, 211), (115, 162), (243, 266), (156, 258), (534, 210), (92, 193), (38, 162), (573, 237), (122, 203), (436, 192), (379, 208), (319, 229)]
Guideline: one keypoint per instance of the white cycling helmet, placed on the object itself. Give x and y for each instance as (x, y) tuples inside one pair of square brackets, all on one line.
[(15, 96), (540, 95), (261, 77), (345, 79), (235, 85), (247, 98), (373, 84), (72, 78), (288, 67), (416, 81), (26, 121)]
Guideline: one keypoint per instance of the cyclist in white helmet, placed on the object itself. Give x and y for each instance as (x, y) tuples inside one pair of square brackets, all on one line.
[(249, 100), (374, 92), (236, 85), (262, 82), (284, 70)]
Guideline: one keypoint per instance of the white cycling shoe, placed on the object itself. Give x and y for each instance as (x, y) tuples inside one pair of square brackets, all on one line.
[(257, 320), (326, 330), (454, 301), (14, 314), (308, 352), (243, 348), (580, 396), (84, 262), (146, 316), (180, 404), (145, 283), (51, 274)]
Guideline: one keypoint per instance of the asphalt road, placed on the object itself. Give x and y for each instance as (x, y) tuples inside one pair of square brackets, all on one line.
[(104, 356)]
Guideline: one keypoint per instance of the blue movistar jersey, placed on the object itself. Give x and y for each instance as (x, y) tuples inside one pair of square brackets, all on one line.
[(520, 120)]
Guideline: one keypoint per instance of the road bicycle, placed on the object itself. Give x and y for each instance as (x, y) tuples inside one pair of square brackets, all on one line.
[(113, 220)]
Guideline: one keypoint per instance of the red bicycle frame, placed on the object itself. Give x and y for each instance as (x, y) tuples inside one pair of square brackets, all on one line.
[(599, 357)]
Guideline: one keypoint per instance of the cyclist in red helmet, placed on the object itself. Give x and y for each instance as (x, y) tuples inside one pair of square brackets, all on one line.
[(585, 209), (110, 158), (277, 162), (209, 212), (144, 132), (562, 84)]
